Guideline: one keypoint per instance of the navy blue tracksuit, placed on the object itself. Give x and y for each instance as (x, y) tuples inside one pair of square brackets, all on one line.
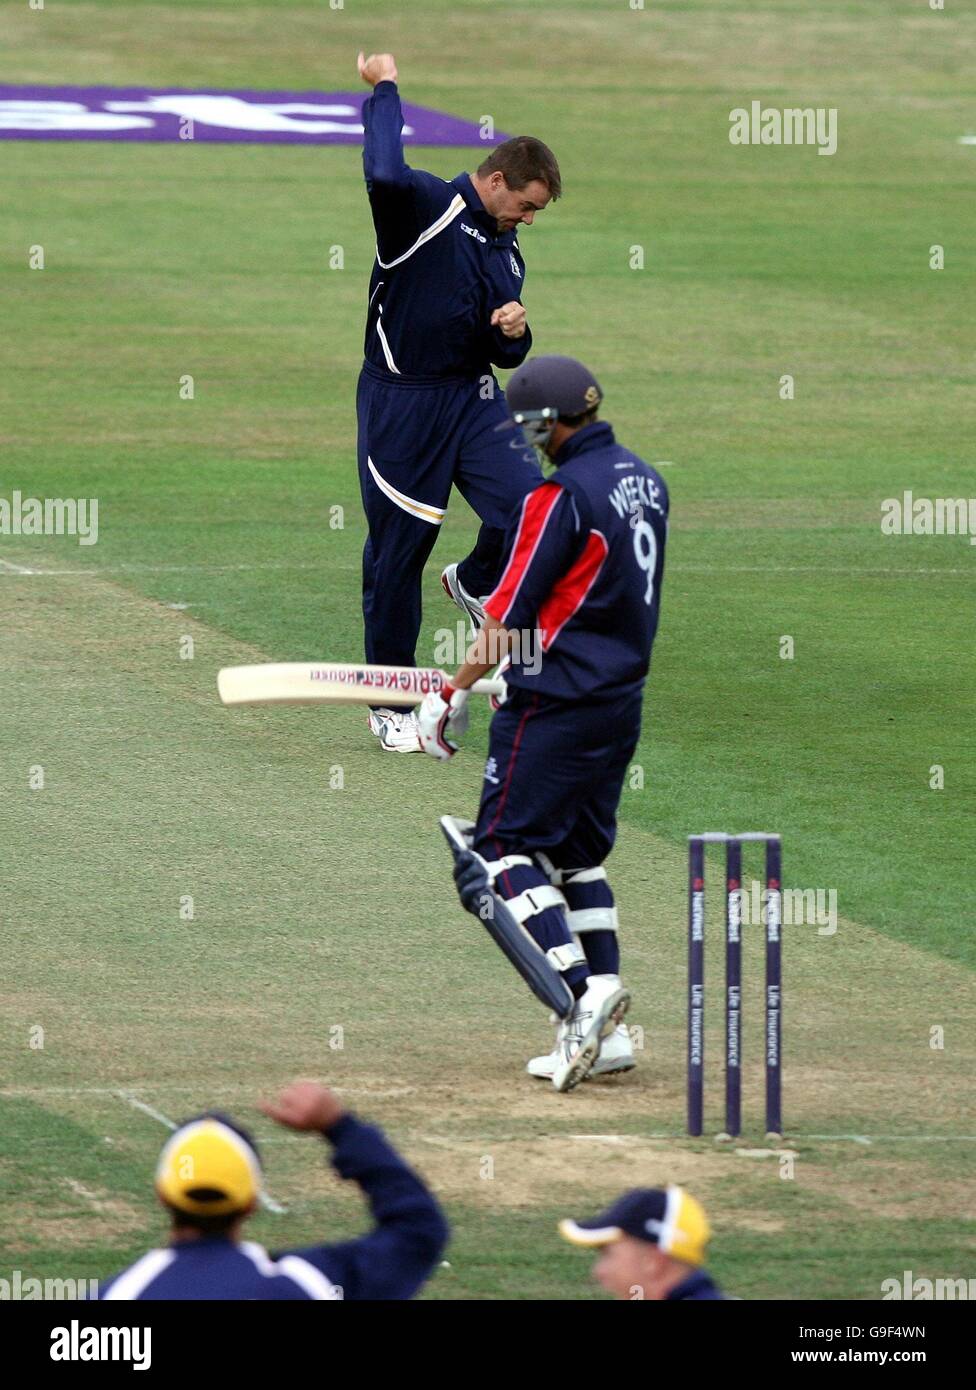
[(391, 1262), (582, 588), (428, 404), (698, 1287)]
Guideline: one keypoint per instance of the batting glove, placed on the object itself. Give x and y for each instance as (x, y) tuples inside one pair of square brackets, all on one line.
[(443, 712)]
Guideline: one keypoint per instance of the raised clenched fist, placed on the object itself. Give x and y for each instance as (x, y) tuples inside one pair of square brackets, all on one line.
[(510, 318), (378, 67), (305, 1105)]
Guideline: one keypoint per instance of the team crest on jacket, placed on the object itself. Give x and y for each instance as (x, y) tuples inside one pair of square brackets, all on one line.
[(515, 267)]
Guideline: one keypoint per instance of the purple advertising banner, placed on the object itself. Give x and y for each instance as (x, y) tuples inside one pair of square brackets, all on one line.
[(170, 113)]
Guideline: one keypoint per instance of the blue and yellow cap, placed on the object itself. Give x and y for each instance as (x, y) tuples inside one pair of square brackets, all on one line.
[(208, 1167), (669, 1218)]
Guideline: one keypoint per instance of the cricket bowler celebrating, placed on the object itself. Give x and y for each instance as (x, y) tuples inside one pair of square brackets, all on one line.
[(577, 609), (444, 307)]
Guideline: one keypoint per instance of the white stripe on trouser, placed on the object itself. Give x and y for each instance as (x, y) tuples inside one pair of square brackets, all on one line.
[(426, 511)]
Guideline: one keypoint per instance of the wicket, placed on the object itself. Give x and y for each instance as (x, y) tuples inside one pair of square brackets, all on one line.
[(733, 980)]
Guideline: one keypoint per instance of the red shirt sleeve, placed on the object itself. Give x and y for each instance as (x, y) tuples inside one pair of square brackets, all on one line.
[(544, 541)]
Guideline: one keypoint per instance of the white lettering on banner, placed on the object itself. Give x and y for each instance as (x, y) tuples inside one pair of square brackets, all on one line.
[(62, 115), (224, 112), (233, 113)]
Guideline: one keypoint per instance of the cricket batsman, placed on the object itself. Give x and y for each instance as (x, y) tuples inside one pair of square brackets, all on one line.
[(576, 609), (444, 309)]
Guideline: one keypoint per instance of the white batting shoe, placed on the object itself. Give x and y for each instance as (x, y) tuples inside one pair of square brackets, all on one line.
[(458, 594), (396, 730), (579, 1039), (616, 1056)]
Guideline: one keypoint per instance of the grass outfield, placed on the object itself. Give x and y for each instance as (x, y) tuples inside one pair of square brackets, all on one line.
[(317, 909)]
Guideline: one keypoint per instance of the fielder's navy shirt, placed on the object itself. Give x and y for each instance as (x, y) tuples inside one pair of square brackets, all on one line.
[(441, 268)]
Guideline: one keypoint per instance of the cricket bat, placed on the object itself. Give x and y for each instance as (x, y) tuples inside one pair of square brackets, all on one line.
[(335, 683)]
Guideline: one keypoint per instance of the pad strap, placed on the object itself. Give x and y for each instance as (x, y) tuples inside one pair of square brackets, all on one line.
[(507, 861), (584, 919), (563, 958), (534, 900), (597, 875), (553, 874), (565, 876)]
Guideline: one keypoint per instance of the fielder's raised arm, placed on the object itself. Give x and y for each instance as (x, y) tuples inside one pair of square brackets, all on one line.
[(403, 201), (209, 1180), (394, 1259)]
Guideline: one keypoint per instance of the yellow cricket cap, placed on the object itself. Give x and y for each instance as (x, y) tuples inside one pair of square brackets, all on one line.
[(669, 1218), (207, 1168)]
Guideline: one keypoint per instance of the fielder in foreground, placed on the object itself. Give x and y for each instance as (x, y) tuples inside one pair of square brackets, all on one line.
[(577, 611), (652, 1246), (209, 1180)]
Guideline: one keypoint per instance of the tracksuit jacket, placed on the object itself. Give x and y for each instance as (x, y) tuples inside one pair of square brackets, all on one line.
[(391, 1262), (441, 267)]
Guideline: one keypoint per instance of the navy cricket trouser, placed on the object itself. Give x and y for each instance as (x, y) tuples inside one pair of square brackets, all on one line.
[(416, 440), (553, 779)]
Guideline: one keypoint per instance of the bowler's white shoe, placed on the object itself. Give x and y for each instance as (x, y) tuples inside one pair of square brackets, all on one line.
[(396, 730), (458, 594), (616, 1055), (595, 1015)]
